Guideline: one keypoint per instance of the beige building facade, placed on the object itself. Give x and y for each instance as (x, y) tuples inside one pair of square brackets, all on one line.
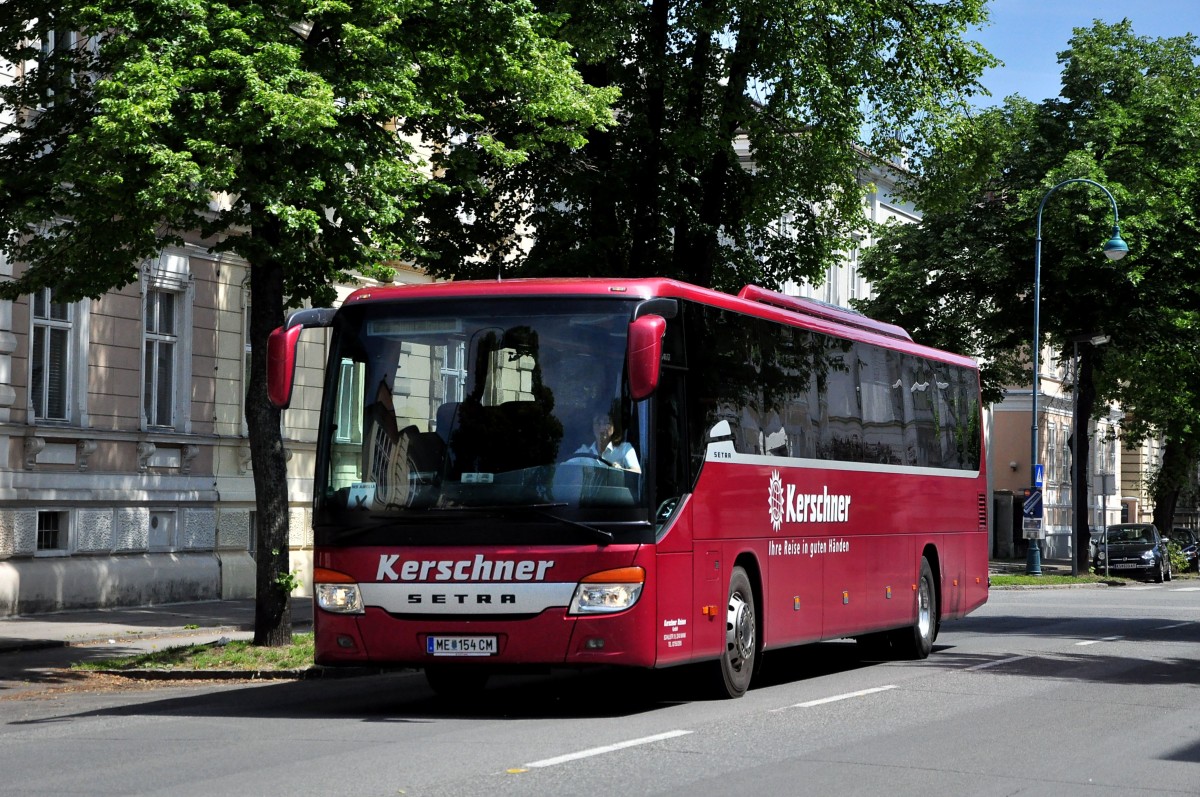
[(125, 474)]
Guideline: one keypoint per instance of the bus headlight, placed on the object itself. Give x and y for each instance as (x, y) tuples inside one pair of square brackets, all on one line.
[(337, 592), (608, 591)]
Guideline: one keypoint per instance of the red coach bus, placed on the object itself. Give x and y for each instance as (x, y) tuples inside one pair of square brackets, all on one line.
[(538, 473)]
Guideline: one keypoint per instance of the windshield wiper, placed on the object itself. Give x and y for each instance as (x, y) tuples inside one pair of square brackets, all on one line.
[(606, 537)]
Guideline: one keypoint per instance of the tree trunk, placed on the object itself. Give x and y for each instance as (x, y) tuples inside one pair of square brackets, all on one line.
[(1178, 463), (646, 223), (1085, 400), (272, 615)]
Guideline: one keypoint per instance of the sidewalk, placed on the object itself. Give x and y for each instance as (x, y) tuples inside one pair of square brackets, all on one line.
[(61, 629), (1016, 567)]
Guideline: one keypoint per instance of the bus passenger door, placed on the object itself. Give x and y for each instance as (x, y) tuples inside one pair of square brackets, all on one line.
[(677, 612), (673, 633)]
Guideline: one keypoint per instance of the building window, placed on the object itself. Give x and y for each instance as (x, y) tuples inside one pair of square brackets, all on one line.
[(454, 371), (349, 402), (159, 374), (247, 350), (58, 61), (52, 531), (51, 357)]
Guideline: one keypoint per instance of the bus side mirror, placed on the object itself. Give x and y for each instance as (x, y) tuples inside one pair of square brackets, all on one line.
[(644, 355), (281, 364), (281, 352)]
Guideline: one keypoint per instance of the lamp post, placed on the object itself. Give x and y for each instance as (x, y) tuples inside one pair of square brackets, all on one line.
[(1115, 249), (1078, 462)]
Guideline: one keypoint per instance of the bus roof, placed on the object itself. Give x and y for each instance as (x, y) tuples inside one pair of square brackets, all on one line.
[(751, 300)]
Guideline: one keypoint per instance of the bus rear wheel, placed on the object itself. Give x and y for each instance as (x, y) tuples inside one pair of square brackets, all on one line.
[(740, 657), (916, 642)]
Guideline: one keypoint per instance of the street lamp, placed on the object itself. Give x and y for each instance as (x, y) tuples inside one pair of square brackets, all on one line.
[(1115, 249)]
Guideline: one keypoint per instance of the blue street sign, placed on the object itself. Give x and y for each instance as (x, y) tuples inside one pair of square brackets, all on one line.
[(1033, 504), (1031, 515), (1039, 474)]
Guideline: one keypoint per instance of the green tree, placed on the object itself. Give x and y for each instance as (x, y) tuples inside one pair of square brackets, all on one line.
[(1129, 118), (802, 89), (304, 115)]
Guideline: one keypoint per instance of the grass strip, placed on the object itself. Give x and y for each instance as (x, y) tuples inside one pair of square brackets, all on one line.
[(219, 655)]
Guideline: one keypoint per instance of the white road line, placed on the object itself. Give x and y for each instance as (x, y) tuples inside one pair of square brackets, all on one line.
[(836, 698), (987, 664), (1186, 589), (1174, 625), (1097, 641), (608, 748)]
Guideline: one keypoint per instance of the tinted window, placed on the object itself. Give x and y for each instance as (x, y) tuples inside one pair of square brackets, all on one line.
[(790, 392)]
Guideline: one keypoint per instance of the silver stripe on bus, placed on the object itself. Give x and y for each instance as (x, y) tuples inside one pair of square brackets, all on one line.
[(767, 460), (449, 597)]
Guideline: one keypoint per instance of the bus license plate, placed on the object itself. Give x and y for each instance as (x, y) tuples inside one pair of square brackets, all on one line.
[(461, 646)]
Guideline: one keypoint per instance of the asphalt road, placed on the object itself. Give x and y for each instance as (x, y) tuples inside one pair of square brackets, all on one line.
[(1042, 692)]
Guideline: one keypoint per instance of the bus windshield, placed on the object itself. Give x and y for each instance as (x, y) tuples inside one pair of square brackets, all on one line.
[(480, 404)]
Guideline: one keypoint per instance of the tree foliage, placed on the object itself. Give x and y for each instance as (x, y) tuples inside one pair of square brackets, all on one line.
[(1128, 117), (801, 89), (320, 127)]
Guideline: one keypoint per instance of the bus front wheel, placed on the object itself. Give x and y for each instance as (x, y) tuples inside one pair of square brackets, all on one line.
[(740, 656)]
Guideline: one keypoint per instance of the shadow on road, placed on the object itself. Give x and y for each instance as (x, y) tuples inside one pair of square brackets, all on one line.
[(403, 696)]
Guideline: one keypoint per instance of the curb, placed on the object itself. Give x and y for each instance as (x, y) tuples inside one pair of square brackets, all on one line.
[(305, 674), (24, 645)]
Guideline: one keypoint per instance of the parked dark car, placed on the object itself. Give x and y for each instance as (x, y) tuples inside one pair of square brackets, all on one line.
[(1134, 549), (1095, 542), (1188, 541)]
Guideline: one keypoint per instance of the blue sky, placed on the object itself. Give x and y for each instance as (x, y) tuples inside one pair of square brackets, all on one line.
[(1027, 36)]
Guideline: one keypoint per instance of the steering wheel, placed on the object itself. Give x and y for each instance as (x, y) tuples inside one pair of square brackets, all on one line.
[(581, 457)]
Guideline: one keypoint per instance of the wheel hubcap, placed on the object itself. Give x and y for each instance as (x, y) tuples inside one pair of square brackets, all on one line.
[(924, 614), (739, 630)]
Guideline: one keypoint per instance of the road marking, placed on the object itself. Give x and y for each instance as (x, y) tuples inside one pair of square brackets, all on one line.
[(987, 664), (836, 698), (608, 748), (1166, 627), (1186, 589), (1097, 641)]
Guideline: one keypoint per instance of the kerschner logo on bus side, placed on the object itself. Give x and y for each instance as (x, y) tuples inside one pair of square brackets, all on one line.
[(789, 504), (477, 569)]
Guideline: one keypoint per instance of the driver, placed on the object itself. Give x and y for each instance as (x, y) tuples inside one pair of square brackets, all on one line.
[(608, 446)]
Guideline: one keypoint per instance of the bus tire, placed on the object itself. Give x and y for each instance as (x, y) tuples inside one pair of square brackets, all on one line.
[(916, 642), (456, 683), (740, 657)]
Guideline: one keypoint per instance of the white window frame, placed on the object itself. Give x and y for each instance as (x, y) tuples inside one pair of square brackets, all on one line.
[(66, 534), (169, 274), (247, 353), (453, 371), (77, 324), (50, 44)]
